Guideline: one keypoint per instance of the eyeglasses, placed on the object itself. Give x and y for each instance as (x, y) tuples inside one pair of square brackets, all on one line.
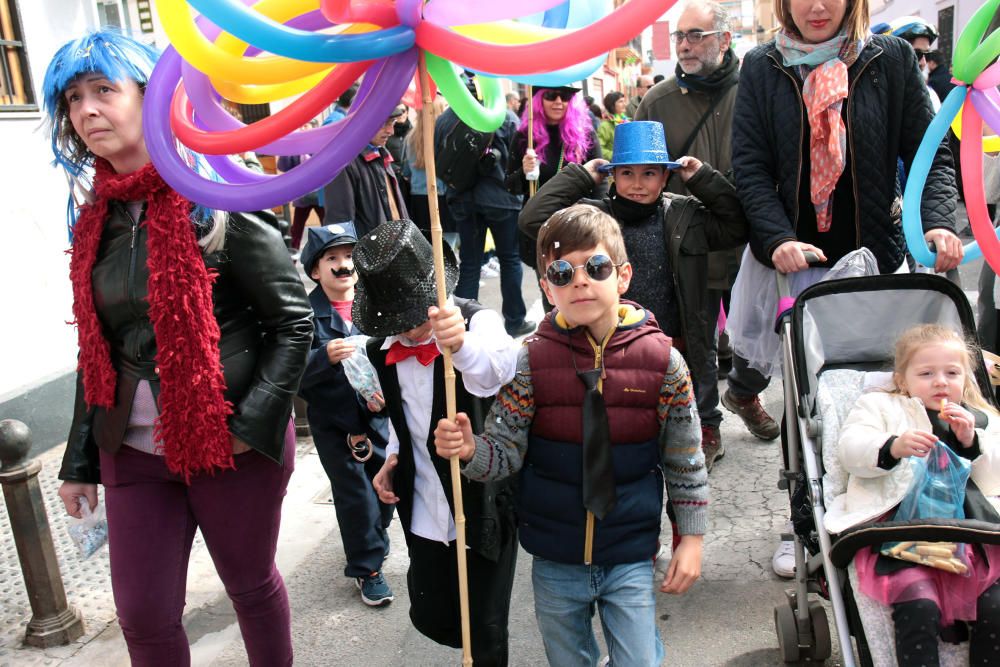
[(599, 267), (553, 95), (693, 37), (922, 53)]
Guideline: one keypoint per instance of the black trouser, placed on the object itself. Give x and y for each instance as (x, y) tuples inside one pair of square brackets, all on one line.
[(364, 519), (434, 604), (918, 625)]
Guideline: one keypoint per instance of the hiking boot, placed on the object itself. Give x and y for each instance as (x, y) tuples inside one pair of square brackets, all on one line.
[(374, 591), (756, 419), (711, 444)]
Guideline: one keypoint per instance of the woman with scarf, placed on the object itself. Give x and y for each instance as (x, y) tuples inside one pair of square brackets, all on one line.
[(562, 133), (193, 332), (821, 115)]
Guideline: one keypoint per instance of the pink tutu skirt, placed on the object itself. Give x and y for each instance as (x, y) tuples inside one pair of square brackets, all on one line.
[(954, 594)]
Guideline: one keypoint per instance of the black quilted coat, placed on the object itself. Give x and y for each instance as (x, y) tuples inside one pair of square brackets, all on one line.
[(887, 113)]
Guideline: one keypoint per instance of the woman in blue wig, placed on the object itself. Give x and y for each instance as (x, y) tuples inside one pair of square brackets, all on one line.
[(193, 332)]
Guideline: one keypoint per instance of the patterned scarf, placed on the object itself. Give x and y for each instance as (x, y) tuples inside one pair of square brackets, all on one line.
[(823, 68), (192, 422)]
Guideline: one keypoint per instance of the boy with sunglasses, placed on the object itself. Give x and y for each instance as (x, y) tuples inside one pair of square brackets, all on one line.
[(667, 236), (350, 436), (599, 410)]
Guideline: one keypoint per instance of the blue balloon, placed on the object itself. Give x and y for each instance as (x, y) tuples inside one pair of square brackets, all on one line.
[(913, 228), (254, 28)]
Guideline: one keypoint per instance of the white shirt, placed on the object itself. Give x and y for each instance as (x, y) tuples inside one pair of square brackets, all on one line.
[(487, 362)]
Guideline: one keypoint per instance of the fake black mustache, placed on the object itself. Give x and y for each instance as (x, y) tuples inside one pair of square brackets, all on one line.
[(344, 273)]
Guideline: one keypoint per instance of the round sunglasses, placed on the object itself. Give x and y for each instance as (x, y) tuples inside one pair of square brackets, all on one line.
[(599, 267)]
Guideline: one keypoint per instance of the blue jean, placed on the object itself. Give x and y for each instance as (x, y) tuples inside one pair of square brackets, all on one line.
[(472, 221), (565, 599)]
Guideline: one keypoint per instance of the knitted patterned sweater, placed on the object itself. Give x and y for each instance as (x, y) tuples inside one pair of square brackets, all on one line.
[(501, 450)]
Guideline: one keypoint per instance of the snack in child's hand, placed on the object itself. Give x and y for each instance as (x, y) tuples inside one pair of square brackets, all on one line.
[(944, 404)]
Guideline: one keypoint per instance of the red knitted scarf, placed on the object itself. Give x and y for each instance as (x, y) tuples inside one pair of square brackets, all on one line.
[(192, 422)]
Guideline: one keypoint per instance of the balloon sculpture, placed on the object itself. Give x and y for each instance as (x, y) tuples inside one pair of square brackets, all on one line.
[(253, 51), (975, 99), (316, 49)]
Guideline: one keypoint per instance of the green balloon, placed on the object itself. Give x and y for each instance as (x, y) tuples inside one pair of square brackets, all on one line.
[(972, 57), (485, 117)]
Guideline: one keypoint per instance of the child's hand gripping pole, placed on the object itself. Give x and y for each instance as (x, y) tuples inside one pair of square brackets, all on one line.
[(427, 126)]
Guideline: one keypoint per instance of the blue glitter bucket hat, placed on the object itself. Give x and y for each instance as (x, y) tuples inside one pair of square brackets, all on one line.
[(640, 142)]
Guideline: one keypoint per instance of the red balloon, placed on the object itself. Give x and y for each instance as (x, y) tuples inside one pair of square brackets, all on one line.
[(557, 53), (413, 97), (972, 180), (264, 131)]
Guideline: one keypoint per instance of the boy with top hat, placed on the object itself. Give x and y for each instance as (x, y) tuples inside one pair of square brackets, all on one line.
[(367, 191), (599, 412), (667, 236), (394, 304), (350, 435)]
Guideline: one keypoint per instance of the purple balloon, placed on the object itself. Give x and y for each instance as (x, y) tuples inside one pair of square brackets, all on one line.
[(214, 117), (987, 103), (389, 77)]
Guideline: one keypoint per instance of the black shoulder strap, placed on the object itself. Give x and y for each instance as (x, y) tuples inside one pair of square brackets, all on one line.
[(697, 128)]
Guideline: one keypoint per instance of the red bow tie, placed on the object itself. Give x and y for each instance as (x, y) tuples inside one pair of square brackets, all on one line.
[(425, 354)]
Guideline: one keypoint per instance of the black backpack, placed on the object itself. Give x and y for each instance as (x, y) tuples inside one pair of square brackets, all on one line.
[(457, 152)]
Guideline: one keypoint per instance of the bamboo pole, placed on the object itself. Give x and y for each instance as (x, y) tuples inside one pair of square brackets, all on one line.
[(532, 185), (437, 242)]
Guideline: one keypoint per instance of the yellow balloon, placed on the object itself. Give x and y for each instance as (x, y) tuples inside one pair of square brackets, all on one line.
[(508, 32), (203, 55), (262, 94), (991, 144)]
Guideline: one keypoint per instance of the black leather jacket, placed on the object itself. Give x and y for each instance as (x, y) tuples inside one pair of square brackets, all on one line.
[(887, 112), (265, 323)]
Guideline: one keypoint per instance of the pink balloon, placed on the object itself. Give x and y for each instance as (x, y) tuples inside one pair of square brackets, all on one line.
[(990, 78), (463, 12)]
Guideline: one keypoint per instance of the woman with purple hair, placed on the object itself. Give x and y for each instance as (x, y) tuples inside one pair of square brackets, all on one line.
[(562, 132)]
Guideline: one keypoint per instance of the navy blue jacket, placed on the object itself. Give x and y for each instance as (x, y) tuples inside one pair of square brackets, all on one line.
[(335, 409), (887, 112)]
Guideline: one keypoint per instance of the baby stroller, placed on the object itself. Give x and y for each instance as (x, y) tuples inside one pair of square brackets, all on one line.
[(836, 339)]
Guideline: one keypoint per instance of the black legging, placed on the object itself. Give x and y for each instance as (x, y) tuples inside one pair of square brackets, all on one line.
[(918, 625)]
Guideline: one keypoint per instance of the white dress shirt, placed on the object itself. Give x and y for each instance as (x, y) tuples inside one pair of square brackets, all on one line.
[(487, 362)]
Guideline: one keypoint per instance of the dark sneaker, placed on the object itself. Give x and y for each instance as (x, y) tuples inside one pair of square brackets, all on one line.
[(374, 591), (711, 444), (756, 419), (523, 329)]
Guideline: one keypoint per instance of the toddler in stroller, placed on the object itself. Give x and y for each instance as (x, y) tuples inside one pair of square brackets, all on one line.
[(828, 366)]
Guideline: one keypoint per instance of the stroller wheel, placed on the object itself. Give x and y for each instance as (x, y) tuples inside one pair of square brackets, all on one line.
[(787, 631), (821, 647)]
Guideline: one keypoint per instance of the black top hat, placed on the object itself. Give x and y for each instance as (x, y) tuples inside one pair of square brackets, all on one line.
[(318, 239), (395, 286)]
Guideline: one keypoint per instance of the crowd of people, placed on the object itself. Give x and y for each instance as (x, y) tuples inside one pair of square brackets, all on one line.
[(656, 216)]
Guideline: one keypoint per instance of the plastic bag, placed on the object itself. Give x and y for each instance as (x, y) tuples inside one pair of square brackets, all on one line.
[(359, 370), (90, 532), (936, 492)]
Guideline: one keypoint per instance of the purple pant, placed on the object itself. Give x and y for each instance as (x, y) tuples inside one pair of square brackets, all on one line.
[(152, 518)]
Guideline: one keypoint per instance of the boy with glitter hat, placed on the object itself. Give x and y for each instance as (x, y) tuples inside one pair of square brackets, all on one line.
[(395, 304), (350, 436)]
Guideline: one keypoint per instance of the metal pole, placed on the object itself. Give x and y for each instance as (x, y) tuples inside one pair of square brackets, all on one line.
[(54, 622)]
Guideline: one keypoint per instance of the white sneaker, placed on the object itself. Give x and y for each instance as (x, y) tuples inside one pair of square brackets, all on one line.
[(486, 271), (783, 562), (494, 263)]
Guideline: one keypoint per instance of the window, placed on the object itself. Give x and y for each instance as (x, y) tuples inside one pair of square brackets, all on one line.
[(16, 93), (113, 13)]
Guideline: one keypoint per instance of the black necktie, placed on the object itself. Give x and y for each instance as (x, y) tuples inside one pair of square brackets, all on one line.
[(598, 472)]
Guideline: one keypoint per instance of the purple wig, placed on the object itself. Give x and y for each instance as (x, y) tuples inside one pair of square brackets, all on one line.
[(575, 129)]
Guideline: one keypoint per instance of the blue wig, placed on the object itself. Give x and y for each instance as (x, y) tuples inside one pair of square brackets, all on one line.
[(106, 52)]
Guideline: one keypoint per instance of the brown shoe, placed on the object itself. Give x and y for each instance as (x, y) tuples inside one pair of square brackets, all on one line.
[(756, 419), (711, 444)]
